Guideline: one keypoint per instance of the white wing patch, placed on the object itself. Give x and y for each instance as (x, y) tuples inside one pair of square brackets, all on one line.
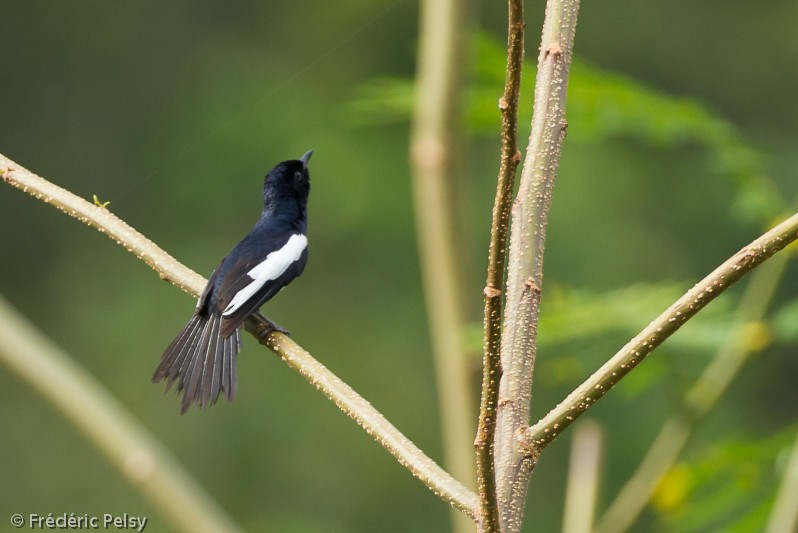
[(269, 269)]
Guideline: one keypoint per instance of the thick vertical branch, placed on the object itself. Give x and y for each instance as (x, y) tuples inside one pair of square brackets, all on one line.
[(488, 519), (434, 158), (514, 462)]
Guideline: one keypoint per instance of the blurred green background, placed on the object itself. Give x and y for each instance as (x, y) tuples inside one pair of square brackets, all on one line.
[(681, 149)]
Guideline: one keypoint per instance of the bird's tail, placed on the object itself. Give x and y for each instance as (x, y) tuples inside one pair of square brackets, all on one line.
[(202, 361)]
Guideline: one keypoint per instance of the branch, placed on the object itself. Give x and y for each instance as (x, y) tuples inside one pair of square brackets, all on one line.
[(434, 161), (784, 516), (168, 268), (583, 478), (143, 461), (525, 273), (497, 255), (699, 401), (665, 325)]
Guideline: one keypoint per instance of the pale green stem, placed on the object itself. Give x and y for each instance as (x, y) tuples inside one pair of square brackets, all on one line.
[(583, 478), (661, 456), (143, 461), (784, 516), (434, 157)]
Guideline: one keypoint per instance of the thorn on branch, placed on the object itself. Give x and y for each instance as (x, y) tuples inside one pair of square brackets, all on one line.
[(529, 450), (503, 104), (531, 285), (517, 157), (491, 292), (481, 439), (504, 401), (554, 49), (749, 254)]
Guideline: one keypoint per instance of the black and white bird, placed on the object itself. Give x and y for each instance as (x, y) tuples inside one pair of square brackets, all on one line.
[(202, 358)]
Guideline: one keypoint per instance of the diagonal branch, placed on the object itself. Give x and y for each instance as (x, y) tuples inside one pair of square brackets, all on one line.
[(699, 401), (168, 268), (665, 325), (497, 255)]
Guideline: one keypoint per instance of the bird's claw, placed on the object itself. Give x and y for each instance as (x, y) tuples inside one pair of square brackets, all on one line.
[(270, 326)]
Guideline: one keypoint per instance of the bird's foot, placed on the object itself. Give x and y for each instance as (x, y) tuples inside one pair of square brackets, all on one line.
[(270, 326)]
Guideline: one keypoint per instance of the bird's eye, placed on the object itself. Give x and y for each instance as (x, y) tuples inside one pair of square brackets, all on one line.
[(297, 175)]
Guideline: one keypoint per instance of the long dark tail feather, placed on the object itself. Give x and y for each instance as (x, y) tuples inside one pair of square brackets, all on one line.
[(202, 361)]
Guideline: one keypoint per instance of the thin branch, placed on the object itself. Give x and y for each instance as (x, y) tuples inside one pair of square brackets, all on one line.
[(168, 268), (143, 461), (513, 462), (784, 516), (665, 325), (583, 478), (497, 256), (434, 148), (699, 401)]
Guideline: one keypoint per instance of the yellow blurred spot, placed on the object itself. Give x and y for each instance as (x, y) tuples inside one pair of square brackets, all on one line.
[(755, 336), (673, 489)]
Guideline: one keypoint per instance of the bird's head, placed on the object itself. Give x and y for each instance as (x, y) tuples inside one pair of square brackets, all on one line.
[(287, 180)]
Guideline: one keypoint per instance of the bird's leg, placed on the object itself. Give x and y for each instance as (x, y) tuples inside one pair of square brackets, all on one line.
[(270, 325)]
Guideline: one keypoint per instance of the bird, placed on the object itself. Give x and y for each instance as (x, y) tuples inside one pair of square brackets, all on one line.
[(202, 357)]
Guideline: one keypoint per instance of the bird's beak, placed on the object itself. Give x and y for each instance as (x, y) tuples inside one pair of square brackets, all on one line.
[(305, 158)]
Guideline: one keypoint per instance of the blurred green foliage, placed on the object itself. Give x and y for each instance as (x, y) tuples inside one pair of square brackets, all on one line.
[(680, 150), (601, 105), (728, 486)]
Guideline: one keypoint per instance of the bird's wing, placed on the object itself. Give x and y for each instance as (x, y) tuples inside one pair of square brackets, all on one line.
[(252, 280)]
